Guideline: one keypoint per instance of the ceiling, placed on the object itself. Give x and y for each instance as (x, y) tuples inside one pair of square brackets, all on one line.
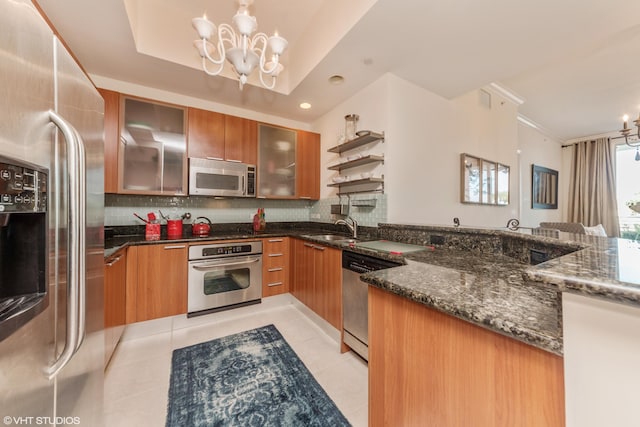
[(574, 63)]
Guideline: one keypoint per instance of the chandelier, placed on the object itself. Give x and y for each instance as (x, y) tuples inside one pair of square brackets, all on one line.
[(244, 51), (626, 131)]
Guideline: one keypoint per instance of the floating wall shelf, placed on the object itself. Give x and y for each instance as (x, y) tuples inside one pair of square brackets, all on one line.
[(359, 141), (365, 160)]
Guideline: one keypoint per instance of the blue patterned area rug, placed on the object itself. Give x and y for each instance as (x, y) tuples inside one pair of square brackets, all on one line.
[(248, 379)]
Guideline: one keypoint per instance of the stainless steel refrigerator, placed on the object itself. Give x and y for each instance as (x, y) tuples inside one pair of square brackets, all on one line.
[(51, 228)]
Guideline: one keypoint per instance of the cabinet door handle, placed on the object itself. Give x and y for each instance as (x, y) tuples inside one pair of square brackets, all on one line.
[(271, 270), (320, 248), (215, 158), (234, 160), (309, 245), (175, 247), (115, 260), (275, 240), (304, 197), (273, 255), (274, 284)]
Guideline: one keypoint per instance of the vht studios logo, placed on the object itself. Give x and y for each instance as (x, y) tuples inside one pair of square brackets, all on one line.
[(41, 421)]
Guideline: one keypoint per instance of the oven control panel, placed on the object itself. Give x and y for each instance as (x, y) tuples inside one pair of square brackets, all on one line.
[(227, 250), (223, 250), (22, 187)]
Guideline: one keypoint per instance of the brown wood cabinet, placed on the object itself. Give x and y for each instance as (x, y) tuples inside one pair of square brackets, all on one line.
[(115, 275), (222, 137), (430, 369), (205, 134), (156, 281), (308, 165), (217, 136), (317, 279), (111, 139), (275, 266), (241, 139)]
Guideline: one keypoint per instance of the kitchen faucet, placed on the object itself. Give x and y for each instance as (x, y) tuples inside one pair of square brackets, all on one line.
[(353, 227)]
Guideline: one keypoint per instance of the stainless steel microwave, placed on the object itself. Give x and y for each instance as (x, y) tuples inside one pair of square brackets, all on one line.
[(221, 178)]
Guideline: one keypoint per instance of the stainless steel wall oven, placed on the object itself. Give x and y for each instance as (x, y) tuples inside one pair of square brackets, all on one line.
[(224, 275)]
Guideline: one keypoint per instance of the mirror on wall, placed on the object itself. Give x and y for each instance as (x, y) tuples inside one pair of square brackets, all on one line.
[(544, 188), (483, 181)]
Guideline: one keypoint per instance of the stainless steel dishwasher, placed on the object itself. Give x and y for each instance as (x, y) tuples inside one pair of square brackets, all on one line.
[(355, 306)]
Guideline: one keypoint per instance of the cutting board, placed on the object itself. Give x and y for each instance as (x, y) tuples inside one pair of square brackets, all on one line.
[(391, 247)]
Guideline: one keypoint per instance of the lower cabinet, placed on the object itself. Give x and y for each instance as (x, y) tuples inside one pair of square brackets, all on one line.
[(427, 365), (275, 266), (115, 275), (156, 281), (317, 279)]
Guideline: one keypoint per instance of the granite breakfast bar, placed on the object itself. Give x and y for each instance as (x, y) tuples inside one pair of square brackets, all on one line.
[(471, 334)]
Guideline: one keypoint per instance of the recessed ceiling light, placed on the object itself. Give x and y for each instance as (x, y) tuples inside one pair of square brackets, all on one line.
[(336, 79), (305, 105)]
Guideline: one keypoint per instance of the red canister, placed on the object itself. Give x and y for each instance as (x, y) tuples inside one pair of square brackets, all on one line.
[(152, 231), (174, 228)]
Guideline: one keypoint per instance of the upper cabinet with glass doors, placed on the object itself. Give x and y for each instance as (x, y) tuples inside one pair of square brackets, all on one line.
[(276, 162), (153, 148)]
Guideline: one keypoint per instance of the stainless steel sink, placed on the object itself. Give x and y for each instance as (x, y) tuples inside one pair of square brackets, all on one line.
[(331, 237)]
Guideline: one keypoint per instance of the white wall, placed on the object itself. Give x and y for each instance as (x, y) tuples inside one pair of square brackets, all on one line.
[(425, 135), (541, 150), (371, 105)]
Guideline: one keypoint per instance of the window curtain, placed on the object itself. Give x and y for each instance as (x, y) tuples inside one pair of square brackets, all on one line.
[(592, 187)]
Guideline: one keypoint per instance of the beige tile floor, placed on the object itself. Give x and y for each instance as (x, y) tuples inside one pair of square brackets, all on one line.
[(137, 378)]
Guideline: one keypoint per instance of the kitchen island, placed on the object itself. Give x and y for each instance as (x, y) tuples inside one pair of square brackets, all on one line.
[(471, 334)]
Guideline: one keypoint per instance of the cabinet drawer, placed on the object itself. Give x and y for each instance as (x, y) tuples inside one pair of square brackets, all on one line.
[(275, 277), (276, 244), (276, 259)]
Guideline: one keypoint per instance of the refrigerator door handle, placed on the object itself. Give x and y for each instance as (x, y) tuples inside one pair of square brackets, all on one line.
[(76, 262)]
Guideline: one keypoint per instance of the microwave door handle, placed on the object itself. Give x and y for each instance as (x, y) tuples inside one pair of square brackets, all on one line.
[(243, 189), (216, 264), (76, 249)]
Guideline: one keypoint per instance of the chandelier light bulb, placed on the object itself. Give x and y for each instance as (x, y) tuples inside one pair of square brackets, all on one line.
[(204, 27), (246, 24), (277, 44)]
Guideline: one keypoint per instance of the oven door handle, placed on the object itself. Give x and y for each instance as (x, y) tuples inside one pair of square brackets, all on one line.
[(217, 264)]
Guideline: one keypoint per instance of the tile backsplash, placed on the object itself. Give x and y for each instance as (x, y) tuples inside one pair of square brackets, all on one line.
[(119, 209), (367, 209)]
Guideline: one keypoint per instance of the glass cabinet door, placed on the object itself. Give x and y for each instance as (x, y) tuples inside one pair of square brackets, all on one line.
[(153, 148), (276, 162)]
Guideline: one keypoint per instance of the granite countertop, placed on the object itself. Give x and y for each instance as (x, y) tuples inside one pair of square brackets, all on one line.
[(120, 237), (487, 290), (608, 268)]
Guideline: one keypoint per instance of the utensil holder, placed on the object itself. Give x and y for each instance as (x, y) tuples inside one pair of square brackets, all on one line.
[(152, 231), (174, 228)]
